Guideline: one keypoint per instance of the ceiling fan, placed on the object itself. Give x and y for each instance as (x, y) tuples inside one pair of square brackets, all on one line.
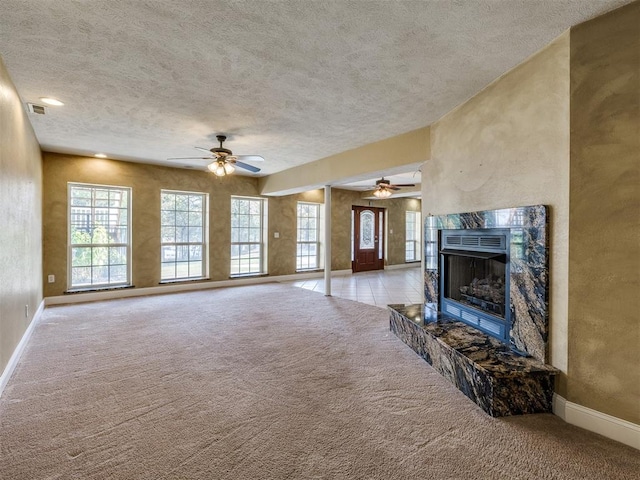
[(384, 188), (223, 161)]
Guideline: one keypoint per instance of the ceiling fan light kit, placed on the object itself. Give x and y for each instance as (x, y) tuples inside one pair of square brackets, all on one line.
[(382, 193), (221, 168), (223, 161)]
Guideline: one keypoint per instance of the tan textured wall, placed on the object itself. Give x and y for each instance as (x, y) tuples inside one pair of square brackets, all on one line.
[(146, 182), (282, 219), (342, 201), (509, 146), (397, 226), (604, 247), (20, 219)]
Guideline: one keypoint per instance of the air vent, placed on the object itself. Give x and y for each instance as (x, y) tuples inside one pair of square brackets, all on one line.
[(452, 310), (487, 240), (39, 109), (494, 241), (453, 240), (468, 241), (470, 318), (491, 326)]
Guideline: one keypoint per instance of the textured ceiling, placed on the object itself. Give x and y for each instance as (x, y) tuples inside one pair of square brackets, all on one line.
[(293, 81)]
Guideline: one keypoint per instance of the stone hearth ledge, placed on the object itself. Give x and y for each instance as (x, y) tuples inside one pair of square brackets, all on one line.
[(499, 380)]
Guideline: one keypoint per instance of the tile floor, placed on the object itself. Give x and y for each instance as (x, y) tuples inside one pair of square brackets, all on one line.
[(379, 287)]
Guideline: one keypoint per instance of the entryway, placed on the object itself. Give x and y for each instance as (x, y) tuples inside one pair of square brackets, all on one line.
[(368, 239)]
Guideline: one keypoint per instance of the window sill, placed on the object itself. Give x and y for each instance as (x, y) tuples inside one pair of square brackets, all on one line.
[(310, 270), (245, 275), (97, 289), (184, 280)]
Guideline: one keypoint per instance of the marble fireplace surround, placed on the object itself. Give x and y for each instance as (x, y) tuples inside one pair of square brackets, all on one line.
[(528, 275), (496, 376)]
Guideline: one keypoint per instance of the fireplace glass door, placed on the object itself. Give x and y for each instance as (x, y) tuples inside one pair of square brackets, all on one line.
[(477, 282)]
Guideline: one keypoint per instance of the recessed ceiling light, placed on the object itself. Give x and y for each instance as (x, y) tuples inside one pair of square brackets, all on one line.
[(100, 155), (51, 101)]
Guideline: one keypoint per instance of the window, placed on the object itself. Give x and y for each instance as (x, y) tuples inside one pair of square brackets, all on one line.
[(308, 250), (367, 230), (247, 236), (99, 236), (184, 235), (412, 250)]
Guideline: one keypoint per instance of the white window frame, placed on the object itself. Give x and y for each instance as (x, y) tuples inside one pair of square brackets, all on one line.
[(244, 242), (170, 249), (310, 241), (96, 213), (413, 239)]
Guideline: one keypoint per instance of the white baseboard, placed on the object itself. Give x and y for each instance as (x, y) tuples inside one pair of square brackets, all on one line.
[(183, 287), (594, 421), (17, 353), (402, 265)]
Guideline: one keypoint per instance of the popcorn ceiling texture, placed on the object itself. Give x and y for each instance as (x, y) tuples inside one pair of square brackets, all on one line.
[(292, 81)]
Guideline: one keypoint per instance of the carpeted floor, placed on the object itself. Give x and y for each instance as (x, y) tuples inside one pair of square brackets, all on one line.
[(261, 382)]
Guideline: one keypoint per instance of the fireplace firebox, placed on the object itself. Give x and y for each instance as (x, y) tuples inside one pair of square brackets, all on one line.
[(475, 279)]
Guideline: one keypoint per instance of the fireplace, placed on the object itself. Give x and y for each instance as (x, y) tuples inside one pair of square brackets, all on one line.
[(470, 256), (484, 322), (474, 281)]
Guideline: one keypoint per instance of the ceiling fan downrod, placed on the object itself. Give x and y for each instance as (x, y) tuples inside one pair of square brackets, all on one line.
[(221, 149)]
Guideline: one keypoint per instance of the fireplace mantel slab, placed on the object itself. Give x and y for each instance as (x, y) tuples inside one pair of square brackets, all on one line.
[(499, 380)]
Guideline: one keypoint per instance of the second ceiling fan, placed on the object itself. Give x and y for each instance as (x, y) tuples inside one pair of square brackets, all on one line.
[(384, 188), (223, 161)]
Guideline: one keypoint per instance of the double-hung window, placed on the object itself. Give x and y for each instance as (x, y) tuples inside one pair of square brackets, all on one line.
[(308, 248), (99, 236), (248, 227), (412, 250), (184, 232)]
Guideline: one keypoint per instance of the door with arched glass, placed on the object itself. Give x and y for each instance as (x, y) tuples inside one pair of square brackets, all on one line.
[(368, 239)]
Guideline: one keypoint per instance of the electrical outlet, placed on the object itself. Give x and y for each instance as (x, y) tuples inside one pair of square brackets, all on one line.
[(26, 311), (51, 278), (276, 235)]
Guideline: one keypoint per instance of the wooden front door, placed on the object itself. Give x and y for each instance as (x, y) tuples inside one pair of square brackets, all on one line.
[(368, 239)]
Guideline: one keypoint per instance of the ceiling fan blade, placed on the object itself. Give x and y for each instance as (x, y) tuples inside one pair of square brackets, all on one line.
[(251, 158), (203, 149), (403, 185), (246, 166), (191, 158), (392, 187)]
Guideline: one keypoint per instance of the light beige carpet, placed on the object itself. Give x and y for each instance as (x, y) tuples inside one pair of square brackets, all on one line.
[(261, 382)]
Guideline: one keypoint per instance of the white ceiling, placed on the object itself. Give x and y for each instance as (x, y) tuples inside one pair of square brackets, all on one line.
[(293, 81)]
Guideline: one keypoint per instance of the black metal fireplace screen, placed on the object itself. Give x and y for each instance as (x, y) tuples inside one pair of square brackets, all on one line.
[(475, 279)]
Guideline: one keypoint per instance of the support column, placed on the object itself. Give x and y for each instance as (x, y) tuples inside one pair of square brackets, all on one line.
[(327, 240)]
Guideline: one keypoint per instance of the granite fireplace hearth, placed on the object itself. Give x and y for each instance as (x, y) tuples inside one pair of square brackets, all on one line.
[(484, 323)]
